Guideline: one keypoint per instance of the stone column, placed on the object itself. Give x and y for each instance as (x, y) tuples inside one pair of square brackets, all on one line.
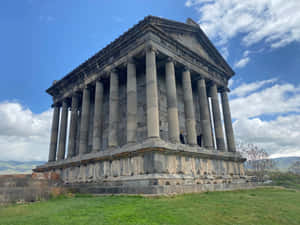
[(211, 123), (204, 114), (73, 126), (217, 118), (228, 122), (151, 93), (131, 102), (63, 131), (84, 122), (173, 123), (97, 125), (113, 109), (54, 134), (189, 112)]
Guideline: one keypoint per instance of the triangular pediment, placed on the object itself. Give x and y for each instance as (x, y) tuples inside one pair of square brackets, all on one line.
[(191, 42), (191, 36)]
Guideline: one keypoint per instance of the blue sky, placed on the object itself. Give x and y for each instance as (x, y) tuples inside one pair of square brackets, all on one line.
[(42, 40)]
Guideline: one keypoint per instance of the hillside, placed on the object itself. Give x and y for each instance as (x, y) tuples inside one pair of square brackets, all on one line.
[(284, 163), (13, 167)]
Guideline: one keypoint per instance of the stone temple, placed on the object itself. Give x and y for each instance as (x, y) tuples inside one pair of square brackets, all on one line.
[(145, 116)]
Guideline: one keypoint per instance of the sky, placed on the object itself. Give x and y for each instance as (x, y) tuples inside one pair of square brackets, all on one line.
[(43, 40)]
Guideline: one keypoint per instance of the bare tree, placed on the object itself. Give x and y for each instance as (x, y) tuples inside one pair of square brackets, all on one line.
[(258, 161)]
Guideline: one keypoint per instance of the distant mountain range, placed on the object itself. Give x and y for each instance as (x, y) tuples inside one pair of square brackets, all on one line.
[(13, 167), (284, 163)]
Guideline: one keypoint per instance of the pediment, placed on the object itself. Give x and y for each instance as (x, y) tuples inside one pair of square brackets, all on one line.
[(192, 37), (191, 42)]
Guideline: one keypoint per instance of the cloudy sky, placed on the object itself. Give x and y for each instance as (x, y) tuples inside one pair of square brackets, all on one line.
[(41, 41)]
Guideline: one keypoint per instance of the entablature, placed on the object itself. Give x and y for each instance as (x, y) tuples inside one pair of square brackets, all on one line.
[(130, 44)]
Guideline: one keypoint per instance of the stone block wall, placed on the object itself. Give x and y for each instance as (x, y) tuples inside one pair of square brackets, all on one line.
[(177, 166), (18, 188)]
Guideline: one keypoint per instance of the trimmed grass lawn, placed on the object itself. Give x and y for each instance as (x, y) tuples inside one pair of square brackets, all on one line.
[(259, 206)]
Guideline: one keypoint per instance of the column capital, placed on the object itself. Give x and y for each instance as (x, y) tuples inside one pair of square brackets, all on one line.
[(113, 70), (186, 68), (170, 59), (130, 59), (224, 89), (151, 48), (55, 105)]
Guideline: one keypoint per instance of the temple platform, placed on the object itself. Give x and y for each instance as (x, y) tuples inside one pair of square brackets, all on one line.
[(152, 167)]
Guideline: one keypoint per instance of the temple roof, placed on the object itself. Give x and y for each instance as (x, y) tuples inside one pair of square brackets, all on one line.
[(188, 34)]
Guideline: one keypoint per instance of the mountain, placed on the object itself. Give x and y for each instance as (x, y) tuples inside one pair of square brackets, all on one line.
[(13, 167), (284, 163)]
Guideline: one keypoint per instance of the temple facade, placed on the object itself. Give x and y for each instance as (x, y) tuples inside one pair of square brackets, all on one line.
[(149, 113)]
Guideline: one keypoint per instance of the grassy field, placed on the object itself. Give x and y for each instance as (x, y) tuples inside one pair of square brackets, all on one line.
[(258, 206), (288, 180)]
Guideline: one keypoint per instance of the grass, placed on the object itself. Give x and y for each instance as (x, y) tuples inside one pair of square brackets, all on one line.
[(288, 180), (257, 206)]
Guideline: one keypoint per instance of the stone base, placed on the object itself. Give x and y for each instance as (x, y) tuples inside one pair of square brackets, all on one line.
[(152, 167), (160, 184)]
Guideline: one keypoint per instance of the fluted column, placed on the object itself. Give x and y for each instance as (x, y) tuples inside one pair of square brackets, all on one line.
[(173, 123), (217, 118), (204, 114), (131, 101), (97, 128), (63, 131), (152, 94), (84, 122), (228, 122), (73, 126), (113, 109), (54, 134), (190, 122)]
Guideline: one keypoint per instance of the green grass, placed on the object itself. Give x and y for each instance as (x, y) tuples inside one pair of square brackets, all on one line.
[(288, 180), (258, 206)]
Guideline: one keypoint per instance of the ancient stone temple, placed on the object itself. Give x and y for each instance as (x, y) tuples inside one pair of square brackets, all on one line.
[(149, 113)]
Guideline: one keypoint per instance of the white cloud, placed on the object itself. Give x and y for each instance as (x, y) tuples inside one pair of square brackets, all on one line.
[(224, 52), (252, 102), (23, 135), (242, 62), (276, 22), (277, 99), (247, 88)]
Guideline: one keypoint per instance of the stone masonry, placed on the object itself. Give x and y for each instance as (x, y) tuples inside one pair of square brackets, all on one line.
[(145, 116)]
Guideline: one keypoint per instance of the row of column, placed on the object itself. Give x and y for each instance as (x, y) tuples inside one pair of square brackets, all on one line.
[(205, 120), (152, 112)]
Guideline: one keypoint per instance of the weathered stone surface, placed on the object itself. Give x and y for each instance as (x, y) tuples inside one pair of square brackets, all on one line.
[(204, 114), (18, 188), (84, 122), (152, 96), (73, 126), (97, 123), (173, 122), (113, 109), (217, 118), (227, 122), (54, 134), (63, 132)]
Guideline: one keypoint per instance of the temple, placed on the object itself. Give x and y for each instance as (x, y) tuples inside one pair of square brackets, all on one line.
[(149, 114)]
